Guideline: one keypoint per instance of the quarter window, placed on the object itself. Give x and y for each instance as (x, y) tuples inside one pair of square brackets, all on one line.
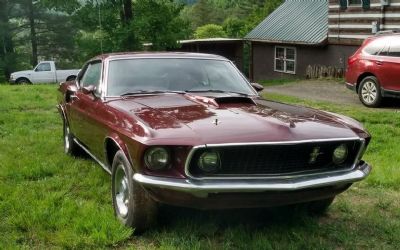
[(285, 59), (92, 75)]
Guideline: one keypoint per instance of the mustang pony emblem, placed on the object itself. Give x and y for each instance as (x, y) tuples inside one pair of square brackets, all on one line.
[(314, 155)]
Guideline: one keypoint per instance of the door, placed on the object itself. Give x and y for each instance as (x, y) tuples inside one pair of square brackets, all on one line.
[(85, 118), (43, 73), (391, 66)]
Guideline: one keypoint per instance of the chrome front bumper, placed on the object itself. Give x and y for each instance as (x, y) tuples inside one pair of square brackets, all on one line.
[(202, 188)]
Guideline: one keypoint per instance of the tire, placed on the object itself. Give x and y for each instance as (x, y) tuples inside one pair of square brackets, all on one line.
[(369, 92), (319, 207), (132, 204), (71, 78), (70, 147), (22, 81)]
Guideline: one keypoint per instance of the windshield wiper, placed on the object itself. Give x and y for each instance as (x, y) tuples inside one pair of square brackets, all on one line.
[(141, 92), (215, 91)]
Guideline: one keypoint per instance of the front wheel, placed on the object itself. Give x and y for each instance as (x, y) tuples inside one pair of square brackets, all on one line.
[(370, 92), (132, 204), (22, 81), (70, 147)]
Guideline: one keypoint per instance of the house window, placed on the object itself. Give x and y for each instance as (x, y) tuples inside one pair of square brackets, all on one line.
[(354, 2), (285, 59)]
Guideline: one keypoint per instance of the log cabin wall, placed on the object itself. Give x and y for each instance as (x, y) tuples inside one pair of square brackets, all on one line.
[(351, 21)]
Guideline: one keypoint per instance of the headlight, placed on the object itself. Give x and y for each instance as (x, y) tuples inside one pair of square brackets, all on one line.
[(340, 154), (156, 158), (209, 162), (12, 77)]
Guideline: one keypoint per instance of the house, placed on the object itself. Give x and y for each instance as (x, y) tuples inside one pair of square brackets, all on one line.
[(230, 48), (302, 35)]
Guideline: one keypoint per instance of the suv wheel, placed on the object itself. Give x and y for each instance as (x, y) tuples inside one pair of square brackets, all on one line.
[(132, 204), (370, 92)]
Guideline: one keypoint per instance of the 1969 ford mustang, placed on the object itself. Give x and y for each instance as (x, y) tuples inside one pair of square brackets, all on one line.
[(190, 130)]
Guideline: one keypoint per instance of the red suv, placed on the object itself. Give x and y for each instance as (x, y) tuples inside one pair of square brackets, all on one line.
[(374, 69)]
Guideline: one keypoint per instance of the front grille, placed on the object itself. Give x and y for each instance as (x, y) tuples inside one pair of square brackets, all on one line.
[(247, 160)]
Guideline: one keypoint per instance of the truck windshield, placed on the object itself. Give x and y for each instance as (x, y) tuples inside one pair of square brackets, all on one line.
[(174, 74)]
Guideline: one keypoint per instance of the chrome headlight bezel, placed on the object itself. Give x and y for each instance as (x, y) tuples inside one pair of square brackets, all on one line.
[(157, 158)]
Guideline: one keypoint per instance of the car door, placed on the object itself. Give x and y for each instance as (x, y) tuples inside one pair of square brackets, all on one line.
[(85, 118), (43, 73), (391, 65)]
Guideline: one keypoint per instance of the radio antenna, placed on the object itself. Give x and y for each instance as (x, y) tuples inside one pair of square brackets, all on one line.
[(101, 32)]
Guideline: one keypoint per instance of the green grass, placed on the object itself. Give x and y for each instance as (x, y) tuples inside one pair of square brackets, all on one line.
[(282, 81), (275, 82), (50, 200)]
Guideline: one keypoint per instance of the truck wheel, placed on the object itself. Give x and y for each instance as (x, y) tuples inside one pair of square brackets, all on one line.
[(22, 81), (369, 92), (70, 147), (132, 205)]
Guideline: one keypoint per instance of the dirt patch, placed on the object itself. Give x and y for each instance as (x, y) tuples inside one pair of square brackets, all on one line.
[(322, 90)]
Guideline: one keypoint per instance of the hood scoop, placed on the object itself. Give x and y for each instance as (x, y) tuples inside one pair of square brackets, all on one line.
[(234, 99), (217, 101)]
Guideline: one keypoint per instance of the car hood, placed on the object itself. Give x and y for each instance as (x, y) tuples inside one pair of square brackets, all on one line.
[(216, 119), (24, 72)]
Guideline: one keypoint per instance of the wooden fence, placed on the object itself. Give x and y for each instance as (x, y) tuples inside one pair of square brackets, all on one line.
[(320, 71)]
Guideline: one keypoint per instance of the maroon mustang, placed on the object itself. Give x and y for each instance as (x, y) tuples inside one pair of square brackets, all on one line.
[(190, 130)]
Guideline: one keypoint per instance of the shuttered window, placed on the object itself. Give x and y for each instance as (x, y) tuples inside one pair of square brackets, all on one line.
[(345, 3), (366, 4)]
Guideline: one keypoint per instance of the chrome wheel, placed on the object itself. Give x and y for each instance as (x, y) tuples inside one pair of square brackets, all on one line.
[(67, 144), (369, 92), (121, 189)]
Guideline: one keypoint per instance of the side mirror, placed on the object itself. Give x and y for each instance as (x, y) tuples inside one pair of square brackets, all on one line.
[(89, 90), (258, 87)]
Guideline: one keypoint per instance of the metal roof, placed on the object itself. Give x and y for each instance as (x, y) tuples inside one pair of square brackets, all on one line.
[(294, 21)]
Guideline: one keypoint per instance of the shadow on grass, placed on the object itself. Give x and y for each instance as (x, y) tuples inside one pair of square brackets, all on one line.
[(171, 217)]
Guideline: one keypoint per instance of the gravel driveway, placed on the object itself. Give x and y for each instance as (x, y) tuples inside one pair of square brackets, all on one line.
[(323, 90)]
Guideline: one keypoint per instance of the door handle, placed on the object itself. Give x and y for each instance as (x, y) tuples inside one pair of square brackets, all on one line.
[(379, 63)]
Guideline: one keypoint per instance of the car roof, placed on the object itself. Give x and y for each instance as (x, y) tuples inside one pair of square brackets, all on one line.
[(126, 55)]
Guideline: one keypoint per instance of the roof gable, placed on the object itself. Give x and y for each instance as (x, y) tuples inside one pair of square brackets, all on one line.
[(295, 21)]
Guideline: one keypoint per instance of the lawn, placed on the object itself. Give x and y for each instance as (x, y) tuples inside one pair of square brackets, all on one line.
[(50, 200)]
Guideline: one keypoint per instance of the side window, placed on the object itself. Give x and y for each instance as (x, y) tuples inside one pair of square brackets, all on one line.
[(394, 49), (43, 67), (92, 75)]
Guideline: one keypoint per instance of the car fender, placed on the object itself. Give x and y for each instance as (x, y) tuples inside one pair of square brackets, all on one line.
[(120, 144)]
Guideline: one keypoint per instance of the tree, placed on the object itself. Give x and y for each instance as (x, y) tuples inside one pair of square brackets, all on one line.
[(209, 31), (7, 62), (233, 27), (158, 22)]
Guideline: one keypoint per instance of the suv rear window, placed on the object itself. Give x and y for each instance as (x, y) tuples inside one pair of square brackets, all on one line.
[(375, 47)]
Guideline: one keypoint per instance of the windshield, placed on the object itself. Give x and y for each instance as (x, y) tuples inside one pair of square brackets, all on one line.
[(174, 74)]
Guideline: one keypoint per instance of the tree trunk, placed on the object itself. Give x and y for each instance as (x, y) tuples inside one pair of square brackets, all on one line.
[(31, 17), (128, 14), (6, 43)]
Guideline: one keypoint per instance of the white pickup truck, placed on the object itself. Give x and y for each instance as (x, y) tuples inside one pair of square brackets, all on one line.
[(44, 72)]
